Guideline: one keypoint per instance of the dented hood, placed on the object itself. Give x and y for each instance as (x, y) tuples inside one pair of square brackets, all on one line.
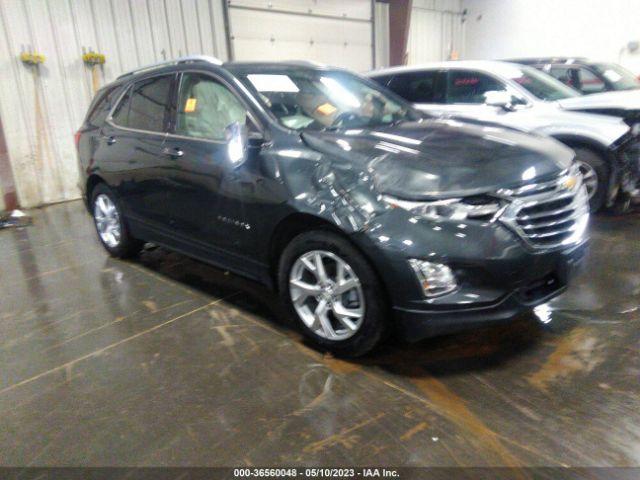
[(444, 158)]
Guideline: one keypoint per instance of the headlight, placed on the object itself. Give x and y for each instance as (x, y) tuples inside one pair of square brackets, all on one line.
[(479, 207)]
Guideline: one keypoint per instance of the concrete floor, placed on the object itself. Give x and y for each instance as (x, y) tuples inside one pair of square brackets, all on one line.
[(166, 361)]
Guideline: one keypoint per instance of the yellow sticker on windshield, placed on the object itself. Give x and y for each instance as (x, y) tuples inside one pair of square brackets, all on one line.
[(326, 109), (190, 106)]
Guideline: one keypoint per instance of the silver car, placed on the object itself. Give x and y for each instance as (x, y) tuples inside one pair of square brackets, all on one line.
[(607, 147)]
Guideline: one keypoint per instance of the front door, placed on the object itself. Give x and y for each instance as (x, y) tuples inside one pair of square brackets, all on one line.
[(465, 98), (206, 200)]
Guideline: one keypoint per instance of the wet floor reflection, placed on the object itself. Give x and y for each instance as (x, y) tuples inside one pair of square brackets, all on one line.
[(163, 359)]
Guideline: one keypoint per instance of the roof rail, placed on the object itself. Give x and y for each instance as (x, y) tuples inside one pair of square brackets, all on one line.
[(177, 61)]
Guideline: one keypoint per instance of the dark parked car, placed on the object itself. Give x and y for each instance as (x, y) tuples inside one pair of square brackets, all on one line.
[(321, 184), (585, 75)]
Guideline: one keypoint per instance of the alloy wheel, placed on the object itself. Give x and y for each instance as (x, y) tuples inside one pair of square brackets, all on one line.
[(107, 220), (327, 295), (589, 178)]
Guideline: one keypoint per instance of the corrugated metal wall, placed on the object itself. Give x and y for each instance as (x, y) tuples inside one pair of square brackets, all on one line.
[(436, 31), (42, 107), (382, 34)]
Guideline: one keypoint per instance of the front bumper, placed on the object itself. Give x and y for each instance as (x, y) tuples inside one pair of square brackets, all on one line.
[(416, 324), (498, 275)]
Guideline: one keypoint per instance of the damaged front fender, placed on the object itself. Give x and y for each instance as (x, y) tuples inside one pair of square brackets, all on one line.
[(329, 188)]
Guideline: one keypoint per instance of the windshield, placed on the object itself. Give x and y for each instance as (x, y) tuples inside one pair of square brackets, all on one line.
[(321, 100), (620, 78), (539, 84)]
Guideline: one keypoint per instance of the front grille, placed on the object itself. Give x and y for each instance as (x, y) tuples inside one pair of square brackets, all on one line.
[(548, 214)]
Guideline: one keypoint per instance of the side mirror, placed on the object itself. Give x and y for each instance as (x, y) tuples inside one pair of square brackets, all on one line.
[(237, 142), (498, 99)]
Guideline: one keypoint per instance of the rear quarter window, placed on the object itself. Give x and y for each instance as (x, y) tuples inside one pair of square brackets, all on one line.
[(101, 106)]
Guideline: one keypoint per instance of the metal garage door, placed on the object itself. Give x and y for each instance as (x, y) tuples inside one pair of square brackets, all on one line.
[(436, 32), (336, 32)]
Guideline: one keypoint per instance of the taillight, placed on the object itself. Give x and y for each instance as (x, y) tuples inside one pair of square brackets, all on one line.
[(76, 138)]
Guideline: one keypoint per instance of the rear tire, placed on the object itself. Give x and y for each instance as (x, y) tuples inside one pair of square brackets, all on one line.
[(111, 225), (339, 302), (594, 167)]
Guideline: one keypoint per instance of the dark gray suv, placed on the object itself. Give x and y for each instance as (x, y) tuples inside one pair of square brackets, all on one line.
[(362, 213)]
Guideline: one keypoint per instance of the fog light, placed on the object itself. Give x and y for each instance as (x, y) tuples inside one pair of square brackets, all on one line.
[(435, 278)]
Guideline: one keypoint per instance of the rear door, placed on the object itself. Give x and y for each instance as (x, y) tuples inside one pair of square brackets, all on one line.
[(133, 138)]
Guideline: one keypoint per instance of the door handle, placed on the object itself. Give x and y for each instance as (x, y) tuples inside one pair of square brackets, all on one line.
[(111, 140), (172, 152)]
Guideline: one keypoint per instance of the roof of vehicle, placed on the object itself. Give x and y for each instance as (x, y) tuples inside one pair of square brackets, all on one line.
[(268, 65), (486, 65), (554, 60), (231, 66), (170, 63)]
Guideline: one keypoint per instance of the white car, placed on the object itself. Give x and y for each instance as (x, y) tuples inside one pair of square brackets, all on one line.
[(607, 147)]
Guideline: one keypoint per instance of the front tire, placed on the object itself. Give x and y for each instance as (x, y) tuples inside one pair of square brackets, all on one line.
[(333, 294), (110, 224)]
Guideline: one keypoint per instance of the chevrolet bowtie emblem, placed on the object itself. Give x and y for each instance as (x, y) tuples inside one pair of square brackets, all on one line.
[(569, 183)]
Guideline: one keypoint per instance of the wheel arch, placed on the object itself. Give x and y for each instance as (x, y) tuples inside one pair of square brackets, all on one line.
[(578, 141), (93, 180), (286, 230), (297, 223)]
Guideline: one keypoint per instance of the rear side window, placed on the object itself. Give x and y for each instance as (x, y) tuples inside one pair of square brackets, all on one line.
[(418, 87), (468, 86), (145, 106)]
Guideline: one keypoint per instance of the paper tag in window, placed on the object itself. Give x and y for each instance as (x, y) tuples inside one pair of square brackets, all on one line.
[(326, 109), (190, 106)]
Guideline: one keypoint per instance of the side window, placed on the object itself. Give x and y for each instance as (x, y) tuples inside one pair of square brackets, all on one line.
[(101, 107), (418, 87), (206, 108), (468, 86), (563, 74), (145, 105), (589, 82), (121, 112), (149, 104)]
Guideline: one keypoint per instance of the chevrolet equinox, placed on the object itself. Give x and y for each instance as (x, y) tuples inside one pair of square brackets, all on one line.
[(362, 213)]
